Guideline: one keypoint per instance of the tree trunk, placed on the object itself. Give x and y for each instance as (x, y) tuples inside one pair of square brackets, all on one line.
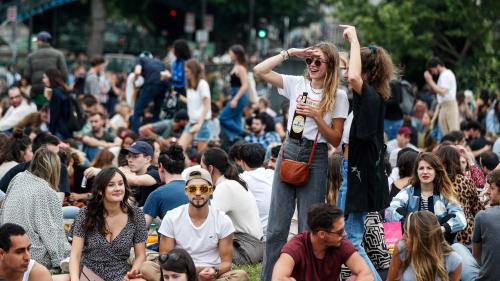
[(98, 15)]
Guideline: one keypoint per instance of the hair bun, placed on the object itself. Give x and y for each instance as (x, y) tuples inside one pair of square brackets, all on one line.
[(175, 152), (17, 134)]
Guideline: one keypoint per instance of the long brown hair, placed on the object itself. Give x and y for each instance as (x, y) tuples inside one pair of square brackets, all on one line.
[(334, 178), (331, 80), (442, 183), (196, 71), (451, 160), (94, 220), (378, 68), (426, 247)]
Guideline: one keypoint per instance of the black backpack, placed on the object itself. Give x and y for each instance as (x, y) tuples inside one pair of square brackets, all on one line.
[(76, 119)]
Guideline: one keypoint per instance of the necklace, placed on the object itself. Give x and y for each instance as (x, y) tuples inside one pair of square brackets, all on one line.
[(312, 89)]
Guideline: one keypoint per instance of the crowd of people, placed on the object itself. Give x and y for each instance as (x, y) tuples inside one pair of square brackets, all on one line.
[(146, 176)]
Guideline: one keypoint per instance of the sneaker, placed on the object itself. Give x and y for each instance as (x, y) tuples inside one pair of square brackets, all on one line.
[(64, 265)]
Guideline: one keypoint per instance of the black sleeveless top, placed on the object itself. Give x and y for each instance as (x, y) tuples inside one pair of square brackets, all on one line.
[(235, 80)]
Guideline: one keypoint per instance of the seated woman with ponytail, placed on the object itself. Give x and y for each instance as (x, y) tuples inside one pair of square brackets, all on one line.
[(232, 197)]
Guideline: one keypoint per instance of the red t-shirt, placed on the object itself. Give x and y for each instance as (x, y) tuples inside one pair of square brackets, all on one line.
[(308, 267)]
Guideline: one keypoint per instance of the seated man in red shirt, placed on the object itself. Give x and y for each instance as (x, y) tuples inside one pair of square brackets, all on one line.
[(320, 253)]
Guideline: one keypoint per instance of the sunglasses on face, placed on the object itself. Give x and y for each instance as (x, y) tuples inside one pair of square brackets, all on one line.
[(316, 62), (340, 232), (172, 256), (202, 188)]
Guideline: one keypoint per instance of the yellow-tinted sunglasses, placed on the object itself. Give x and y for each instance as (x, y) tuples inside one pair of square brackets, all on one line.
[(202, 188)]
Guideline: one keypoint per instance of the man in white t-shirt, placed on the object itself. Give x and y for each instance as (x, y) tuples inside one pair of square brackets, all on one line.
[(446, 90), (259, 180), (204, 232)]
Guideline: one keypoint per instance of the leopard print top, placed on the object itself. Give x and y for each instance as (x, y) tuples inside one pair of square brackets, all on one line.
[(469, 199)]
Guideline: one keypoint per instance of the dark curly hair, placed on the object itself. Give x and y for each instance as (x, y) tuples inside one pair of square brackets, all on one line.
[(16, 144), (172, 159), (378, 67), (94, 220)]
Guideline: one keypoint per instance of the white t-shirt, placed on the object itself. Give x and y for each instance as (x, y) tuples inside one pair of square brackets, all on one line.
[(195, 101), (260, 182), (347, 129), (201, 242), (447, 80), (239, 204), (294, 86)]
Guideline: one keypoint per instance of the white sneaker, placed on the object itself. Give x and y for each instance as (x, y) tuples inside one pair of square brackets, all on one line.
[(64, 265)]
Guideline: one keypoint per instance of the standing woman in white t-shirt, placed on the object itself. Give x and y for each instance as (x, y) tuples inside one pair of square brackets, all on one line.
[(198, 105), (325, 110)]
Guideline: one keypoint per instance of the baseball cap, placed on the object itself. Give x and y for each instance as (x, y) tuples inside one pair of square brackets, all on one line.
[(140, 147), (181, 115), (199, 173), (43, 36), (404, 131)]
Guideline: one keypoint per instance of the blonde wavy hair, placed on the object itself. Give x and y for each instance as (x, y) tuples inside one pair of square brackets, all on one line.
[(47, 166), (426, 247), (331, 80), (442, 183)]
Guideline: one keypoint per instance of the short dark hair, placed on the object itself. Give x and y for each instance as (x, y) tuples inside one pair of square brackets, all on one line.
[(489, 160), (102, 115), (321, 216), (473, 125), (434, 62), (252, 154), (172, 159), (6, 231), (494, 177), (89, 100), (453, 136), (97, 61), (235, 150), (44, 138), (181, 49)]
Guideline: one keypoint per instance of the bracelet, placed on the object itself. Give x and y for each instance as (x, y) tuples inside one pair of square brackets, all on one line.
[(287, 53), (284, 55)]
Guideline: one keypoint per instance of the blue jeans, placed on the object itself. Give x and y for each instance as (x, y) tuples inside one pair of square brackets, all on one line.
[(284, 196), (91, 152), (70, 212), (204, 133), (391, 128), (149, 93), (343, 186), (355, 229), (355, 223), (470, 267), (230, 118)]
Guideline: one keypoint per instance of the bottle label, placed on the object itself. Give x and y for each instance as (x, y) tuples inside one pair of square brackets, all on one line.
[(298, 124)]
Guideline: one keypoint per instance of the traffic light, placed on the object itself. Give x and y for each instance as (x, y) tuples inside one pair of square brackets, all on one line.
[(262, 32)]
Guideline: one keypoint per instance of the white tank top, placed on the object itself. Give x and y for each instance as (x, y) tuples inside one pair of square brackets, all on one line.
[(26, 275)]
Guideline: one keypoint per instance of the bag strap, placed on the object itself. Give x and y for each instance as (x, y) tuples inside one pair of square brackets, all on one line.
[(313, 149), (310, 155)]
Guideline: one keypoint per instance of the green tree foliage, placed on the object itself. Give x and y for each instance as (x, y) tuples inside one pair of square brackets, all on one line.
[(464, 33)]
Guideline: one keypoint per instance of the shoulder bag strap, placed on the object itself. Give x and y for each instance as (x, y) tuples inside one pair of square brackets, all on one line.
[(313, 149)]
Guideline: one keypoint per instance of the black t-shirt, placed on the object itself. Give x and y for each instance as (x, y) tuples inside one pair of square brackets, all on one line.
[(21, 167), (142, 192), (368, 187), (393, 110)]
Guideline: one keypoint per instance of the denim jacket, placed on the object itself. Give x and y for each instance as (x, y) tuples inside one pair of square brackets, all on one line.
[(450, 215)]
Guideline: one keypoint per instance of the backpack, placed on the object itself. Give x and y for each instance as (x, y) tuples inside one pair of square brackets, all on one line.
[(76, 119), (407, 97)]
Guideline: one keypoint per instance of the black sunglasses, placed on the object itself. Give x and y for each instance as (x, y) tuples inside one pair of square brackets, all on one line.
[(317, 62), (165, 257)]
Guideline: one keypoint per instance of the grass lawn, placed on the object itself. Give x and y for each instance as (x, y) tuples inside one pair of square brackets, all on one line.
[(252, 270)]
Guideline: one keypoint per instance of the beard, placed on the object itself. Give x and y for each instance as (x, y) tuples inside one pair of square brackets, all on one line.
[(198, 206)]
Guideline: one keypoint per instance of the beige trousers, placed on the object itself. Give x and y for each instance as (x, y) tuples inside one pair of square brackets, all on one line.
[(151, 272), (448, 117)]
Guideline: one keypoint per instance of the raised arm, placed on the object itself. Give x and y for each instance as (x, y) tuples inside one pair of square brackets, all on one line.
[(354, 73), (265, 69)]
